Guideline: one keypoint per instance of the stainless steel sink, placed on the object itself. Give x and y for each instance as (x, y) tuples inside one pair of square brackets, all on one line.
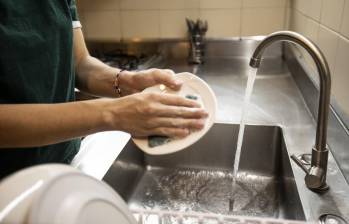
[(199, 179)]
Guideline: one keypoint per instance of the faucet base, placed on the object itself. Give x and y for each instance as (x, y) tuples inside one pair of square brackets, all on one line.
[(315, 176), (324, 188)]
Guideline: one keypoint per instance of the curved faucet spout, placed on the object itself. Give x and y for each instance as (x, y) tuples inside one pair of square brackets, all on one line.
[(316, 175)]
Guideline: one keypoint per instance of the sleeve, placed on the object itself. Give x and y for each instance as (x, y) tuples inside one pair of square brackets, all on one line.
[(74, 14)]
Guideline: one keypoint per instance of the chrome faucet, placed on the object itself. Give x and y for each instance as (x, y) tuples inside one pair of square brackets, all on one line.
[(315, 178)]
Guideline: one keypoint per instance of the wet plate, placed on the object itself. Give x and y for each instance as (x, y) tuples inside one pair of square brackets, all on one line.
[(193, 88)]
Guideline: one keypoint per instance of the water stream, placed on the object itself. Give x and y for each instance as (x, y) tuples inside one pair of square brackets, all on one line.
[(248, 92)]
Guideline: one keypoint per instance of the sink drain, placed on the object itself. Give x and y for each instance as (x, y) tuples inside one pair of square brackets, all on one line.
[(331, 219)]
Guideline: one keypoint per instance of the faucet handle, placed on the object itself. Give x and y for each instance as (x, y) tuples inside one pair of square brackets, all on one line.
[(301, 162), (314, 178)]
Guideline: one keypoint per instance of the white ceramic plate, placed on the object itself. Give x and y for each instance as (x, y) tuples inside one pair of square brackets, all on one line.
[(194, 86), (18, 190), (75, 198)]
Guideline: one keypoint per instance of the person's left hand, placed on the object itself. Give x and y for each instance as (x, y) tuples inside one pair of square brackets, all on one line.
[(134, 82)]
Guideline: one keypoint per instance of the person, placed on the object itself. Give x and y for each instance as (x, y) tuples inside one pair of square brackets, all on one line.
[(43, 57)]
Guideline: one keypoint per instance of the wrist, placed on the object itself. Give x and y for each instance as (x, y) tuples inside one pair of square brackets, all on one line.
[(125, 79), (116, 83), (122, 81), (104, 115)]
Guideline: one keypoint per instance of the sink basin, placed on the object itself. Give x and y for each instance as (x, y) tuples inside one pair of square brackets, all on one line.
[(199, 179)]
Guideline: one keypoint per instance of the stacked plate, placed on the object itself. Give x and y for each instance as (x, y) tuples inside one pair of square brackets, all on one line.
[(59, 194)]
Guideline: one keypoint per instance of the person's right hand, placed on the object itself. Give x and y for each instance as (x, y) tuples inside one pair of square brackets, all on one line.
[(145, 114)]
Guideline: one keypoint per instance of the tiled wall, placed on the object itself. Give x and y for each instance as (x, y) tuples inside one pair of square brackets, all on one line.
[(326, 22), (115, 19)]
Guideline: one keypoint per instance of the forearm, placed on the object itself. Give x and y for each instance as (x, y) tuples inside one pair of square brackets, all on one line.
[(29, 125), (95, 77), (142, 114), (92, 75)]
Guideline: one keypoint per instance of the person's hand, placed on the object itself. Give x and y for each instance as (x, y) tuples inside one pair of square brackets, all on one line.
[(145, 114), (134, 82)]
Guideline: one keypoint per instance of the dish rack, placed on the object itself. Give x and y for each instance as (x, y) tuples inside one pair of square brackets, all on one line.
[(170, 217)]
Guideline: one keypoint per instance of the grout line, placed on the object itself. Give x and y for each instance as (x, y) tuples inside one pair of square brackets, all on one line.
[(286, 16), (321, 7), (335, 59), (342, 16), (159, 24), (318, 22), (240, 8), (121, 26), (200, 13), (240, 23), (120, 21), (241, 12)]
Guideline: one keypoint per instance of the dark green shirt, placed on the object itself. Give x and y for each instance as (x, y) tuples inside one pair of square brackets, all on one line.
[(36, 66)]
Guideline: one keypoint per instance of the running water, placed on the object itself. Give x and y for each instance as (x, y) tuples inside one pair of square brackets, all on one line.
[(250, 81)]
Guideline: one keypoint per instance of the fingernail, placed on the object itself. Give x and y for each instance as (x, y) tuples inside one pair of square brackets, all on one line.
[(186, 132), (178, 82), (196, 104), (204, 113), (201, 122)]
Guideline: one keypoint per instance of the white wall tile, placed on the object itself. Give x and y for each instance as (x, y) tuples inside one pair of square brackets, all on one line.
[(173, 24), (264, 3), (220, 4), (287, 23), (222, 23), (345, 20), (262, 21), (298, 22), (300, 5), (340, 76), (328, 41), (313, 9), (332, 11), (305, 20), (139, 4), (179, 4), (310, 8), (312, 30), (98, 5), (140, 24), (288, 3), (309, 28), (102, 25)]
